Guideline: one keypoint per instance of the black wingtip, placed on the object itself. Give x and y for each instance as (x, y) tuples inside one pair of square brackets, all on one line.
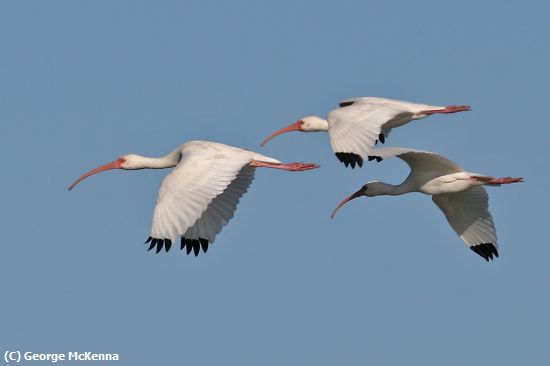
[(186, 243), (204, 244), (345, 104), (159, 244), (167, 244), (194, 245), (382, 138), (350, 159), (486, 250)]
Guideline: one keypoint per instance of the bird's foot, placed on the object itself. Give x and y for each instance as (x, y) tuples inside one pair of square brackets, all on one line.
[(506, 180), (448, 109), (293, 167), (457, 108), (297, 166), (496, 181)]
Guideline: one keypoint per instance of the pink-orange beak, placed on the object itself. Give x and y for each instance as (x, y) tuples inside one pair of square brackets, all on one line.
[(357, 194), (293, 127), (117, 164)]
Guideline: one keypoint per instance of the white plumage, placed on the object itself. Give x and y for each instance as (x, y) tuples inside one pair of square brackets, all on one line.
[(460, 195), (355, 129), (468, 214), (201, 194), (360, 123)]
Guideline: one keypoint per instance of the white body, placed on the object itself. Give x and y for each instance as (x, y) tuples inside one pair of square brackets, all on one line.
[(356, 128), (458, 194), (360, 123), (201, 194)]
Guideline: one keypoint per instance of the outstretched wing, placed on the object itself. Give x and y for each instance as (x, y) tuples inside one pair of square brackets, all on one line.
[(200, 196), (355, 129), (217, 214), (468, 214), (369, 100), (417, 160)]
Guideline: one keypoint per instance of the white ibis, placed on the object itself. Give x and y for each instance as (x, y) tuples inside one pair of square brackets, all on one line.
[(360, 123), (457, 193), (201, 194)]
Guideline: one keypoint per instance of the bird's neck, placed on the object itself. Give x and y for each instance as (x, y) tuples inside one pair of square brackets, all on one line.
[(323, 125), (167, 161), (316, 124), (386, 189)]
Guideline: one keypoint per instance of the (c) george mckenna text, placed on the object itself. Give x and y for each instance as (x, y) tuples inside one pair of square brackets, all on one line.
[(70, 356)]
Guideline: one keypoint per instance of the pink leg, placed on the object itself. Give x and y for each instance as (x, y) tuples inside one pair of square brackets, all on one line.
[(497, 181), (448, 109), (506, 180), (293, 167)]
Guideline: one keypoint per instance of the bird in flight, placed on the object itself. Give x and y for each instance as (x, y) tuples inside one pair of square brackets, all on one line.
[(360, 123), (201, 194), (459, 194)]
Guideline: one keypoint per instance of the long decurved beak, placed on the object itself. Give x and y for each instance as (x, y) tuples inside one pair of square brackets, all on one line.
[(293, 127), (117, 164), (357, 194)]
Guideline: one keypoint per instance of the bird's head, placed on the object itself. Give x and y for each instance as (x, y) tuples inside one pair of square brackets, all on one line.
[(306, 124), (313, 124), (128, 162), (370, 189)]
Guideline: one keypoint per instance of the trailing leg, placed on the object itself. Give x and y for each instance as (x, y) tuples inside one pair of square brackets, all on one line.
[(293, 167)]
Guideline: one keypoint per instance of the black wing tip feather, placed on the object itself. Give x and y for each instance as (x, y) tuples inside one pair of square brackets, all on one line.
[(486, 250), (191, 244), (194, 245), (345, 104), (374, 157), (350, 159), (158, 244)]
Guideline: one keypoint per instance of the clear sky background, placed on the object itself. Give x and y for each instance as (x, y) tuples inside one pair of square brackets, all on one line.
[(385, 283)]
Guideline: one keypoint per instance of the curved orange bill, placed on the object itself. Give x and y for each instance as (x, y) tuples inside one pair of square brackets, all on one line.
[(292, 127), (112, 165), (357, 194)]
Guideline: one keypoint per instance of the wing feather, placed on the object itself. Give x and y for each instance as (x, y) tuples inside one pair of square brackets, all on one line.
[(368, 100), (418, 160), (355, 128), (185, 195), (222, 208), (468, 214)]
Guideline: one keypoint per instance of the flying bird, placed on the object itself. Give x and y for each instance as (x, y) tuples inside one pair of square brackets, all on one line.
[(459, 194), (201, 194), (360, 123)]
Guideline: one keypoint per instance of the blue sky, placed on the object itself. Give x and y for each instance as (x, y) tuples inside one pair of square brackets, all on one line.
[(387, 282)]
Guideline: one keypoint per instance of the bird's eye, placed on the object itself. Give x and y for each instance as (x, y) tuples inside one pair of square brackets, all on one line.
[(365, 187), (122, 159)]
